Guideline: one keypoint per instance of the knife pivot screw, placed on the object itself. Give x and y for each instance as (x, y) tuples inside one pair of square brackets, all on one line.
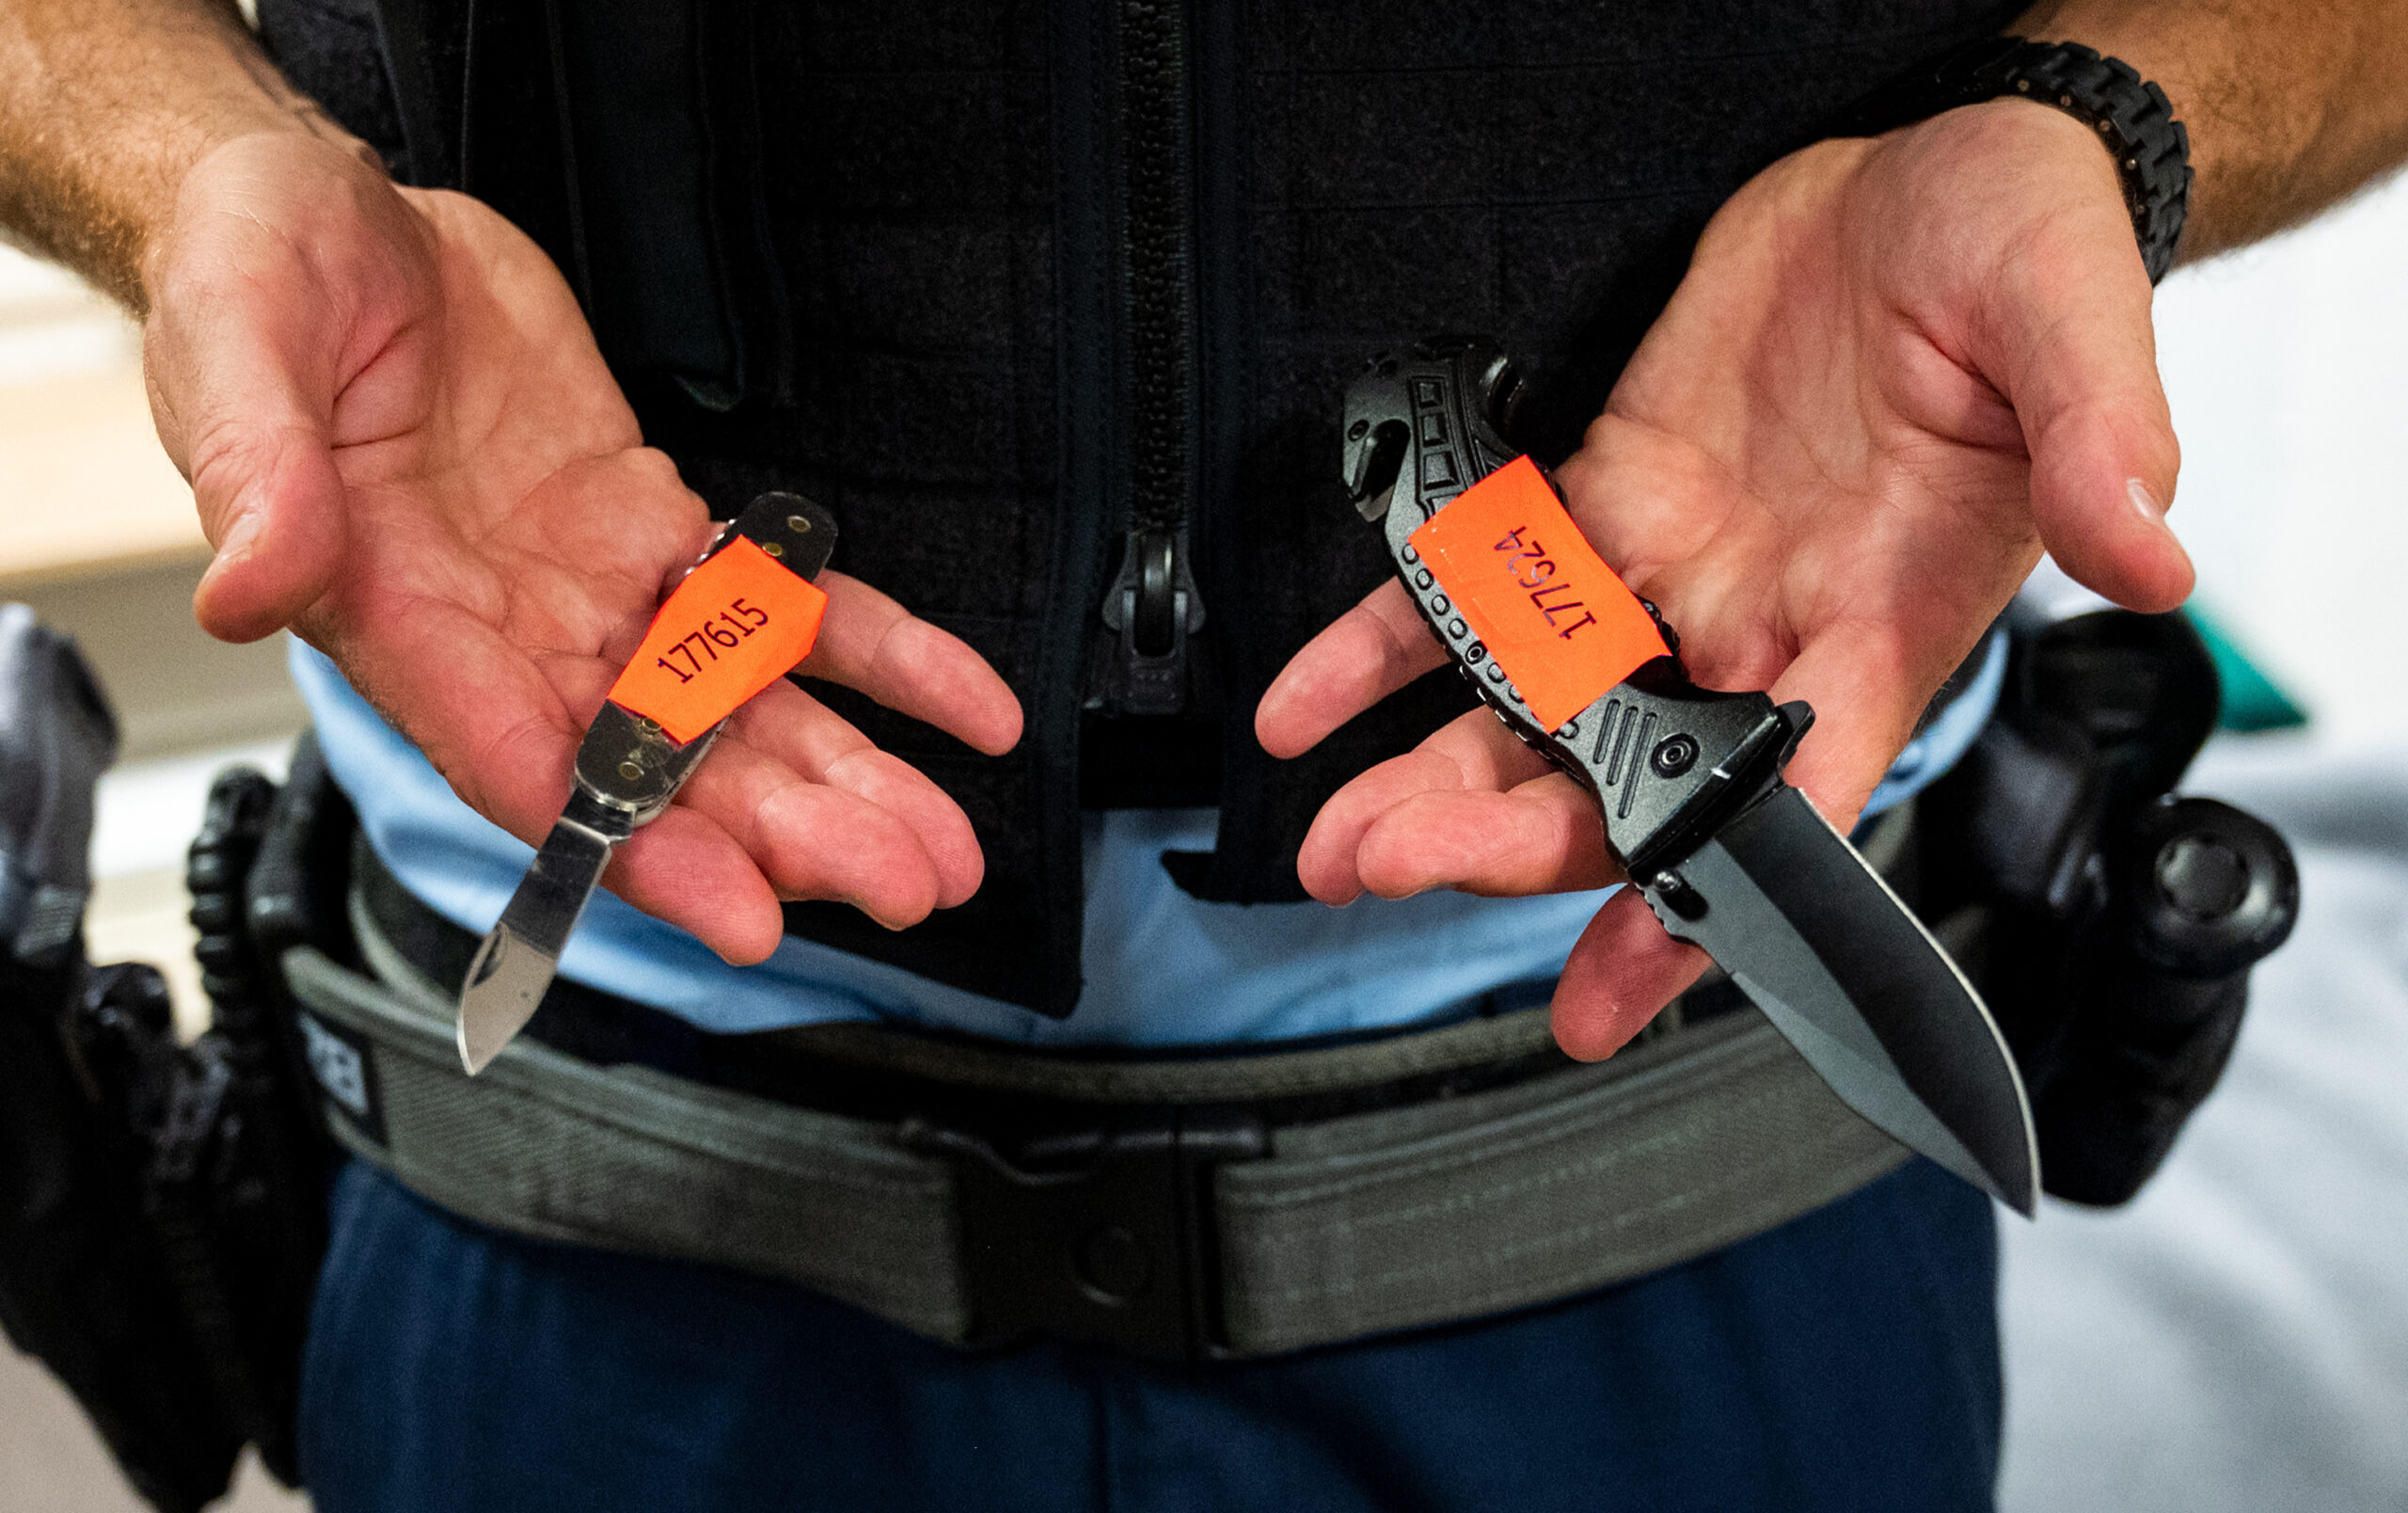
[(1475, 653), (1673, 890), (1357, 431), (631, 769), (1675, 754), (799, 524)]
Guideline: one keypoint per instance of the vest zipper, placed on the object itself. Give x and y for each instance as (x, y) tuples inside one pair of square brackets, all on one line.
[(1154, 604)]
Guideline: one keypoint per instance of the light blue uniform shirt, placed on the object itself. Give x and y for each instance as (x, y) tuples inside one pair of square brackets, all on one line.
[(1162, 968)]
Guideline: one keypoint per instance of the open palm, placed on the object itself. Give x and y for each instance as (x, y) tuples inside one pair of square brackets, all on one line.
[(1896, 370), (404, 444)]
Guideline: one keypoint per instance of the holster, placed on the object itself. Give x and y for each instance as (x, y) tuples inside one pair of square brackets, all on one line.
[(2109, 925), (227, 1156)]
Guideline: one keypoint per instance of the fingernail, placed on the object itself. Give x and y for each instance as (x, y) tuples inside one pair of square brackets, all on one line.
[(2145, 502)]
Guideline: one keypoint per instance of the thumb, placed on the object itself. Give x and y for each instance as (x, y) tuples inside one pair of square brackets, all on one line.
[(244, 352), (242, 414), (270, 503), (2078, 361)]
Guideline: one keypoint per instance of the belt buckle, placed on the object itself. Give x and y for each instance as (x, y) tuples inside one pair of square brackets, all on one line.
[(1100, 1236)]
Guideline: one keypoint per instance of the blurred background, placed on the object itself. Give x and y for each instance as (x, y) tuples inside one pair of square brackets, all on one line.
[(2235, 1339)]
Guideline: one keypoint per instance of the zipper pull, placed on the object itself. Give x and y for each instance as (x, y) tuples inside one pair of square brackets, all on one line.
[(1155, 606)]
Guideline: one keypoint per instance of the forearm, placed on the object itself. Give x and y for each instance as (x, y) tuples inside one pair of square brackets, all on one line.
[(105, 104), (2291, 105)]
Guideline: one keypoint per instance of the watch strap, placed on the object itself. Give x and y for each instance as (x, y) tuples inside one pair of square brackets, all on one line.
[(2133, 118)]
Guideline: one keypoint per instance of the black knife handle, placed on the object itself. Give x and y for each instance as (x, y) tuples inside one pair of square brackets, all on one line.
[(797, 531), (1669, 762)]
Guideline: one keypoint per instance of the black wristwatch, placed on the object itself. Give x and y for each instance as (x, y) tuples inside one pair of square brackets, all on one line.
[(2133, 117)]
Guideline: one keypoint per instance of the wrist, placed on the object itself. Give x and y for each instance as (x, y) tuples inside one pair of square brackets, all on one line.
[(268, 168), (2130, 119), (103, 110), (1969, 196), (2008, 139)]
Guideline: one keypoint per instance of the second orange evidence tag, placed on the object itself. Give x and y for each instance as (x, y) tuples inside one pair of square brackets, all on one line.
[(1562, 624), (738, 623)]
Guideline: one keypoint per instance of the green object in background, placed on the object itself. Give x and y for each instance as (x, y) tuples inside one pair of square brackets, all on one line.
[(2252, 701)]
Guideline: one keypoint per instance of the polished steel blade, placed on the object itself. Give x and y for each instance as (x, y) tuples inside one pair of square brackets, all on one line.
[(1846, 972), (516, 964)]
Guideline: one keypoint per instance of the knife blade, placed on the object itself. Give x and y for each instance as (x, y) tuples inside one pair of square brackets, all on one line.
[(1687, 779), (631, 764), (516, 962), (1810, 934)]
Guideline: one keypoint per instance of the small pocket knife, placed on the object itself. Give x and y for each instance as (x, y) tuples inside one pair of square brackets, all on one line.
[(1688, 780), (628, 769)]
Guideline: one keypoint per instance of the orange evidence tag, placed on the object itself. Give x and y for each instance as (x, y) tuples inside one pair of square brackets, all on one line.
[(738, 623), (1560, 623)]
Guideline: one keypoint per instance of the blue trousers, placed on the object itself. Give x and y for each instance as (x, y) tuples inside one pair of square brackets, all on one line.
[(1846, 1361)]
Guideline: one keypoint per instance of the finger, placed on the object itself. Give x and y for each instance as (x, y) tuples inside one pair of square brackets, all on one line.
[(684, 869), (815, 841), (1622, 973), (2073, 349), (855, 838), (788, 726), (1472, 750), (871, 643), (1359, 659), (1542, 836)]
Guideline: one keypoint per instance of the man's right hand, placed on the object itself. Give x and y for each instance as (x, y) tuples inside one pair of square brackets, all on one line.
[(404, 445)]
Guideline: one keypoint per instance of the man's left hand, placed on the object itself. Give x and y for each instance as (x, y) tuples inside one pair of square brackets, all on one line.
[(1897, 369)]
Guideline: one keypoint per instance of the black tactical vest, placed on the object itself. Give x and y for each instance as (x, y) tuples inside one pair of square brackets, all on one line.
[(1014, 289)]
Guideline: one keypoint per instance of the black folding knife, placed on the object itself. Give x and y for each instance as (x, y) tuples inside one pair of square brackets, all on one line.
[(1689, 783)]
